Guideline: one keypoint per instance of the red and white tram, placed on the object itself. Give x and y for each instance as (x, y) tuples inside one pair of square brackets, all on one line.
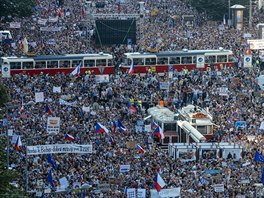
[(97, 63), (170, 60)]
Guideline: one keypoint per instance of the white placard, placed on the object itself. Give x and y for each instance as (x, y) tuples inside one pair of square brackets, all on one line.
[(39, 97), (147, 128), (141, 193), (219, 188), (102, 78), (64, 102), (56, 89), (15, 25), (261, 126), (53, 125), (131, 193), (248, 61), (200, 62), (58, 148), (223, 91), (10, 132), (232, 153), (172, 192), (42, 21), (164, 85), (256, 44), (6, 71), (124, 168), (64, 182)]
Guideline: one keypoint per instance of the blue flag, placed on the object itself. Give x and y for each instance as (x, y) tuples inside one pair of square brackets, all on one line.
[(262, 178), (51, 161), (258, 157), (50, 179)]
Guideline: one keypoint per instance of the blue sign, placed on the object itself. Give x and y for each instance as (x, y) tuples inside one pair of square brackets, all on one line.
[(170, 68), (240, 124)]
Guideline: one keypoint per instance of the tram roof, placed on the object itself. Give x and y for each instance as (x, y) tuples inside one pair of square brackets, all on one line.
[(179, 53), (58, 57)]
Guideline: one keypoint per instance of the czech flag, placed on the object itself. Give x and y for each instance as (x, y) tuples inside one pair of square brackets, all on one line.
[(48, 110), (111, 140), (77, 70), (248, 51), (159, 133), (131, 107), (159, 182), (99, 128), (140, 149), (154, 125), (18, 143), (121, 126), (69, 137), (115, 126), (131, 70)]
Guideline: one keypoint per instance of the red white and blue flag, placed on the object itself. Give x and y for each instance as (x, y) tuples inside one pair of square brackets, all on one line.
[(154, 125), (99, 128), (248, 51), (131, 107), (77, 70), (140, 149), (18, 143), (159, 133), (48, 110), (121, 126), (131, 70), (159, 182), (69, 137), (111, 140)]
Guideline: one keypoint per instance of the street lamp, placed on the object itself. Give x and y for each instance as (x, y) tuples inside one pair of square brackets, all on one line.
[(6, 123)]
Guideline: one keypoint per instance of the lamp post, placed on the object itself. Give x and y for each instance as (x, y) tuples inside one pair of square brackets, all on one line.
[(250, 14), (7, 107)]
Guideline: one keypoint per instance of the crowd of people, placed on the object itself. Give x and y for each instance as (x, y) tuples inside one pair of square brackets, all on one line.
[(68, 29), (107, 102), (61, 27)]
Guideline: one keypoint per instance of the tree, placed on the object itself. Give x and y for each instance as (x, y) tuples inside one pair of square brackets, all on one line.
[(7, 190), (215, 10), (17, 8), (4, 97)]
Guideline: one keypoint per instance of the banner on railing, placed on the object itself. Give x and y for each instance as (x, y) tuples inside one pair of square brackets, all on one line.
[(58, 148)]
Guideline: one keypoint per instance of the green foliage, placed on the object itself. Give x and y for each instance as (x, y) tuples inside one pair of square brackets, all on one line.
[(7, 176), (18, 8), (4, 97), (215, 10)]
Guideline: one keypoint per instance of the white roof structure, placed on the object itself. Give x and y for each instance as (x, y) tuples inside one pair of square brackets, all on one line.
[(162, 114), (201, 116)]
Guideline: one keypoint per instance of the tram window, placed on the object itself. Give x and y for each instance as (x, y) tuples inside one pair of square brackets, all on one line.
[(101, 62), (138, 61), (64, 64), (230, 58), (194, 59), (150, 61), (221, 58), (186, 60), (15, 65), (110, 62), (128, 62), (163, 61), (27, 65), (89, 63), (202, 129), (75, 63), (52, 64), (210, 59), (175, 60), (169, 127), (40, 64)]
